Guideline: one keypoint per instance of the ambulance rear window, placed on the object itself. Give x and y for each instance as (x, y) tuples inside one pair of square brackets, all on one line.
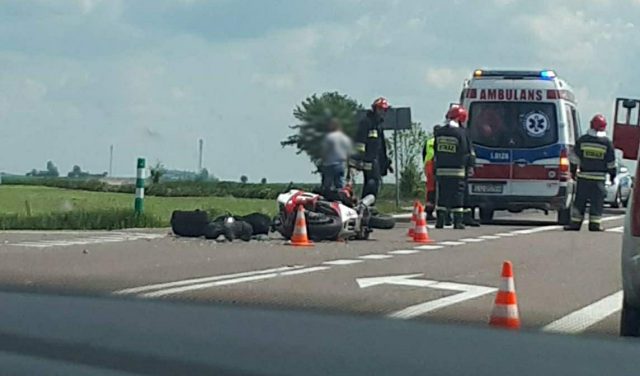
[(513, 124)]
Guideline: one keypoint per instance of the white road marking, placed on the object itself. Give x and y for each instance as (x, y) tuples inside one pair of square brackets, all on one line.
[(342, 262), (159, 286), (489, 237), (585, 317), (472, 240), (505, 234), (466, 292), (201, 286), (451, 243), (429, 247), (306, 270), (375, 257), (616, 229), (536, 229), (118, 237), (404, 252)]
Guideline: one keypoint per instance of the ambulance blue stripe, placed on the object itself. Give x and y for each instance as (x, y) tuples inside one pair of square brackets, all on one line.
[(505, 156)]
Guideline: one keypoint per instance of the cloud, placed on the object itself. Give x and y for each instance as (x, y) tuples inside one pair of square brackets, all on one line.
[(153, 76)]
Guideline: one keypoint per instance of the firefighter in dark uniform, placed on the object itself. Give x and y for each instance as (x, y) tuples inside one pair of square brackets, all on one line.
[(592, 159), (371, 148), (468, 217), (452, 156)]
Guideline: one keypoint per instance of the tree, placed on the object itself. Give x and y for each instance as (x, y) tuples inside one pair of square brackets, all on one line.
[(52, 170), (313, 114), (75, 172), (410, 145), (156, 172), (203, 175), (244, 179), (263, 181)]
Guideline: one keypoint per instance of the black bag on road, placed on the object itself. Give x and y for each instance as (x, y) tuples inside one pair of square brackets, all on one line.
[(189, 223)]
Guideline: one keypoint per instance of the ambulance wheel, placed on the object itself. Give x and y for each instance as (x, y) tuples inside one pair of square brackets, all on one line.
[(486, 215), (564, 216)]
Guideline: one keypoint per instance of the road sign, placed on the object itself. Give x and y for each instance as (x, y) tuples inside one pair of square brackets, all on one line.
[(396, 118), (467, 292)]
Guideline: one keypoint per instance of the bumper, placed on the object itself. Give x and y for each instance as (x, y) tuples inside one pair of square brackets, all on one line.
[(611, 193), (517, 203)]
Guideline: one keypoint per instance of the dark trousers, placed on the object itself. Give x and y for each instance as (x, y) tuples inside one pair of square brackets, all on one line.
[(333, 176), (372, 180), (450, 194), (592, 191)]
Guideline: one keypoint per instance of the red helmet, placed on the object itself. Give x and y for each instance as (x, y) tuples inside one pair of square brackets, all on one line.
[(457, 113), (599, 123), (381, 103)]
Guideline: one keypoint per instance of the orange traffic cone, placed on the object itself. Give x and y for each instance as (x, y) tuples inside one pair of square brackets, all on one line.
[(421, 234), (299, 237), (414, 215), (505, 310)]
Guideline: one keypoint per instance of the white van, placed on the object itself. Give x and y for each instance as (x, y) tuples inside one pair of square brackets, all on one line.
[(523, 125)]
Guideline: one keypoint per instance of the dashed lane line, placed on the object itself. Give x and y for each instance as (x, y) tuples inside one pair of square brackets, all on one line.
[(375, 257), (404, 252), (342, 262), (619, 229)]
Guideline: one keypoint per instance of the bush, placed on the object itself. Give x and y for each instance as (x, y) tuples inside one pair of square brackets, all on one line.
[(108, 219)]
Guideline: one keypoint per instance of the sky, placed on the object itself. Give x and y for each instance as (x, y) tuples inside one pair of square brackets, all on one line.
[(151, 77)]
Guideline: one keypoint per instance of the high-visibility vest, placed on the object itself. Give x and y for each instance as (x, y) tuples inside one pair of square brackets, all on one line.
[(428, 164), (429, 147)]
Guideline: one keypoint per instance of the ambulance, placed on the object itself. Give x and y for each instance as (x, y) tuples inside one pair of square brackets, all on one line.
[(523, 125)]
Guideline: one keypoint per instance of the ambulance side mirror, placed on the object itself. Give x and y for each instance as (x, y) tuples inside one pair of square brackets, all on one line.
[(629, 104)]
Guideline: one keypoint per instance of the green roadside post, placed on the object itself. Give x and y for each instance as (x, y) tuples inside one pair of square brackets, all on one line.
[(139, 203)]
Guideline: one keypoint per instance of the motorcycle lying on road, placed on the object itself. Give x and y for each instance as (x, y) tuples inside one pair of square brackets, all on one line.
[(336, 215)]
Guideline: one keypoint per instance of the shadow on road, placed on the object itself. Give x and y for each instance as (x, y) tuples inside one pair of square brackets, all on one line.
[(516, 219)]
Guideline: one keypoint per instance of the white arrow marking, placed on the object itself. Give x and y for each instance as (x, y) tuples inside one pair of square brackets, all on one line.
[(467, 292)]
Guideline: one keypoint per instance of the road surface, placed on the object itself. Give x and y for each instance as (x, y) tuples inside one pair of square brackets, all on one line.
[(566, 282)]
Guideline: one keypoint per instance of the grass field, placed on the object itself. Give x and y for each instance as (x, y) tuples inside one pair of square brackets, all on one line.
[(37, 207), (44, 200)]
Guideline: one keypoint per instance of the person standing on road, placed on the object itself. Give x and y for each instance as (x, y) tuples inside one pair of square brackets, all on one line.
[(336, 148), (371, 148), (452, 155), (592, 158), (430, 185)]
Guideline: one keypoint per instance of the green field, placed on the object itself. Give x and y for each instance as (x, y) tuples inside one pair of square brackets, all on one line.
[(36, 207), (44, 200)]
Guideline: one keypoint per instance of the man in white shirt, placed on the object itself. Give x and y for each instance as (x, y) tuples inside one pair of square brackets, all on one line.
[(336, 149)]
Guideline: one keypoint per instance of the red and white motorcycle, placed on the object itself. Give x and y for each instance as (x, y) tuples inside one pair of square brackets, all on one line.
[(334, 218)]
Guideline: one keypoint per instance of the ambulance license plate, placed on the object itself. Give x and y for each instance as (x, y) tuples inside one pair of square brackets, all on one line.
[(487, 188)]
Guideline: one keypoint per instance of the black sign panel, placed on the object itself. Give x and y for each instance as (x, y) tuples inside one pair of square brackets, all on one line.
[(396, 118)]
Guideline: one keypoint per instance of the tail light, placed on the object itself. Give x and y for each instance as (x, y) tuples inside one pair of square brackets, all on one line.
[(635, 210), (564, 166)]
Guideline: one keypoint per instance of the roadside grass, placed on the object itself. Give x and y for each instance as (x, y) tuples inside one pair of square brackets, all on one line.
[(36, 207), (46, 208)]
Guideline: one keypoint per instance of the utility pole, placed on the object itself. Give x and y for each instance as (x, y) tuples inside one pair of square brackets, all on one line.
[(111, 161), (200, 147)]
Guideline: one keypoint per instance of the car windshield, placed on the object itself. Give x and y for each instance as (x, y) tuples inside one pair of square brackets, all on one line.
[(513, 125)]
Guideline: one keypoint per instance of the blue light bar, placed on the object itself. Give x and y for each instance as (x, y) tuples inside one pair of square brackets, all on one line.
[(547, 74)]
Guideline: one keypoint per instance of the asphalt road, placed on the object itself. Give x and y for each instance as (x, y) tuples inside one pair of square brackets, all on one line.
[(565, 282)]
